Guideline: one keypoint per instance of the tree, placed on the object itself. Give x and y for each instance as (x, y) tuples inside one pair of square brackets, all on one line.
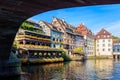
[(78, 49), (115, 37)]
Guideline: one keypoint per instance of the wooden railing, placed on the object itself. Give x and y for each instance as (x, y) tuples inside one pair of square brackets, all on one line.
[(32, 46), (32, 37)]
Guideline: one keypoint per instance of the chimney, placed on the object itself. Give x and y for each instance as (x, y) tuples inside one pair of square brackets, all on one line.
[(63, 19)]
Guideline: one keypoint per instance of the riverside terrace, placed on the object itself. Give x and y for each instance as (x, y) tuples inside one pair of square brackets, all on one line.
[(14, 12), (35, 48)]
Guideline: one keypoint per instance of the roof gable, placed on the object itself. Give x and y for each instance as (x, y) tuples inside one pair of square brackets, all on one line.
[(103, 34)]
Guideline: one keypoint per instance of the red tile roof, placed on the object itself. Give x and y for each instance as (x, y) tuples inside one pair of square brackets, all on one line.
[(84, 30), (103, 34)]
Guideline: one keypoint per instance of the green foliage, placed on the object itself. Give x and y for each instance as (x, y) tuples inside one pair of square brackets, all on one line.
[(26, 25), (115, 37), (78, 49), (66, 56), (15, 43)]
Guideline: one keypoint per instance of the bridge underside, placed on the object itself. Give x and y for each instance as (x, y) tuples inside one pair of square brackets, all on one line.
[(14, 12)]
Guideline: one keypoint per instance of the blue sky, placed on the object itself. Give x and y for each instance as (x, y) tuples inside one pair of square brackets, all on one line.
[(93, 17)]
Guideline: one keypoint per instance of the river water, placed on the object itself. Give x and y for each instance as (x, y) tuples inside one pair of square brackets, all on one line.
[(102, 69)]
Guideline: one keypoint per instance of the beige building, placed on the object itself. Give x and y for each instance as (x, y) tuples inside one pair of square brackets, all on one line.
[(104, 43)]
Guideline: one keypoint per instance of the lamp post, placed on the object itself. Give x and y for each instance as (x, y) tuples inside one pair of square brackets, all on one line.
[(85, 45)]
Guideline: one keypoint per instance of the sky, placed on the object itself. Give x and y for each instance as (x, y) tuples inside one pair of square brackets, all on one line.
[(93, 17)]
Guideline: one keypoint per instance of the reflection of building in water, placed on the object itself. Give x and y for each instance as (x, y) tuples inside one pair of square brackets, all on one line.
[(97, 69), (104, 68), (44, 72), (74, 70)]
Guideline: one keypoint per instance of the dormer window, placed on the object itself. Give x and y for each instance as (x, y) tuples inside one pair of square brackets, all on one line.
[(98, 36), (55, 22), (104, 36), (59, 29)]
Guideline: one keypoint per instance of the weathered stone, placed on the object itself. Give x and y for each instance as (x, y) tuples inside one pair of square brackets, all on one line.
[(10, 67)]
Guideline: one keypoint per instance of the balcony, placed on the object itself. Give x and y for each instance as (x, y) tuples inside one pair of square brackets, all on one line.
[(32, 37), (32, 46)]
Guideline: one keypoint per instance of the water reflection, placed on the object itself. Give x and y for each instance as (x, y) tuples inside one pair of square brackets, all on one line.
[(74, 70)]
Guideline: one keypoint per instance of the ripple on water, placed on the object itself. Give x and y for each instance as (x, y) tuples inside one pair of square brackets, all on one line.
[(76, 70)]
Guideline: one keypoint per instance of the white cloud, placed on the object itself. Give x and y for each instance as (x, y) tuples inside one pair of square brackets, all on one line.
[(114, 28)]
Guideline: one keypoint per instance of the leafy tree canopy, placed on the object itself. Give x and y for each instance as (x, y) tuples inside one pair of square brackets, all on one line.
[(115, 37), (78, 49)]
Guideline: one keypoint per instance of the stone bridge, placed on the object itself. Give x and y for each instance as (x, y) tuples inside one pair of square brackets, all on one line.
[(14, 12)]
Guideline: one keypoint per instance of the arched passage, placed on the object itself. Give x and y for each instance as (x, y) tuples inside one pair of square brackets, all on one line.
[(14, 12)]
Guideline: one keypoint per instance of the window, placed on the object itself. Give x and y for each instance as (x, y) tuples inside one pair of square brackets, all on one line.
[(118, 50), (104, 36), (109, 45), (97, 49), (108, 49), (57, 40), (103, 49), (53, 39), (97, 45), (103, 40), (109, 40), (60, 40), (54, 46), (113, 50), (98, 41), (98, 36), (103, 45)]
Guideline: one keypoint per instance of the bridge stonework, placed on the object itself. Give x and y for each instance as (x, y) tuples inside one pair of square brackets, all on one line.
[(14, 12)]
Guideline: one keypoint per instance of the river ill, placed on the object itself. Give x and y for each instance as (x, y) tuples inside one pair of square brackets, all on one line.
[(102, 69)]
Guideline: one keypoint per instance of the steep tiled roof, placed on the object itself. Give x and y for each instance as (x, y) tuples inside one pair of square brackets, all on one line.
[(84, 30), (60, 27), (82, 27), (51, 26), (31, 21), (47, 24), (103, 34)]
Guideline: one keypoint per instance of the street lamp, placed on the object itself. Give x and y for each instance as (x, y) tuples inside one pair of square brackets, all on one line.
[(85, 45)]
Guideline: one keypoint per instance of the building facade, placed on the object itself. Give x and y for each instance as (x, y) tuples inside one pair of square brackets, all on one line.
[(89, 46), (79, 42), (116, 46), (68, 42), (55, 33), (34, 46), (104, 43), (69, 34), (116, 49)]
